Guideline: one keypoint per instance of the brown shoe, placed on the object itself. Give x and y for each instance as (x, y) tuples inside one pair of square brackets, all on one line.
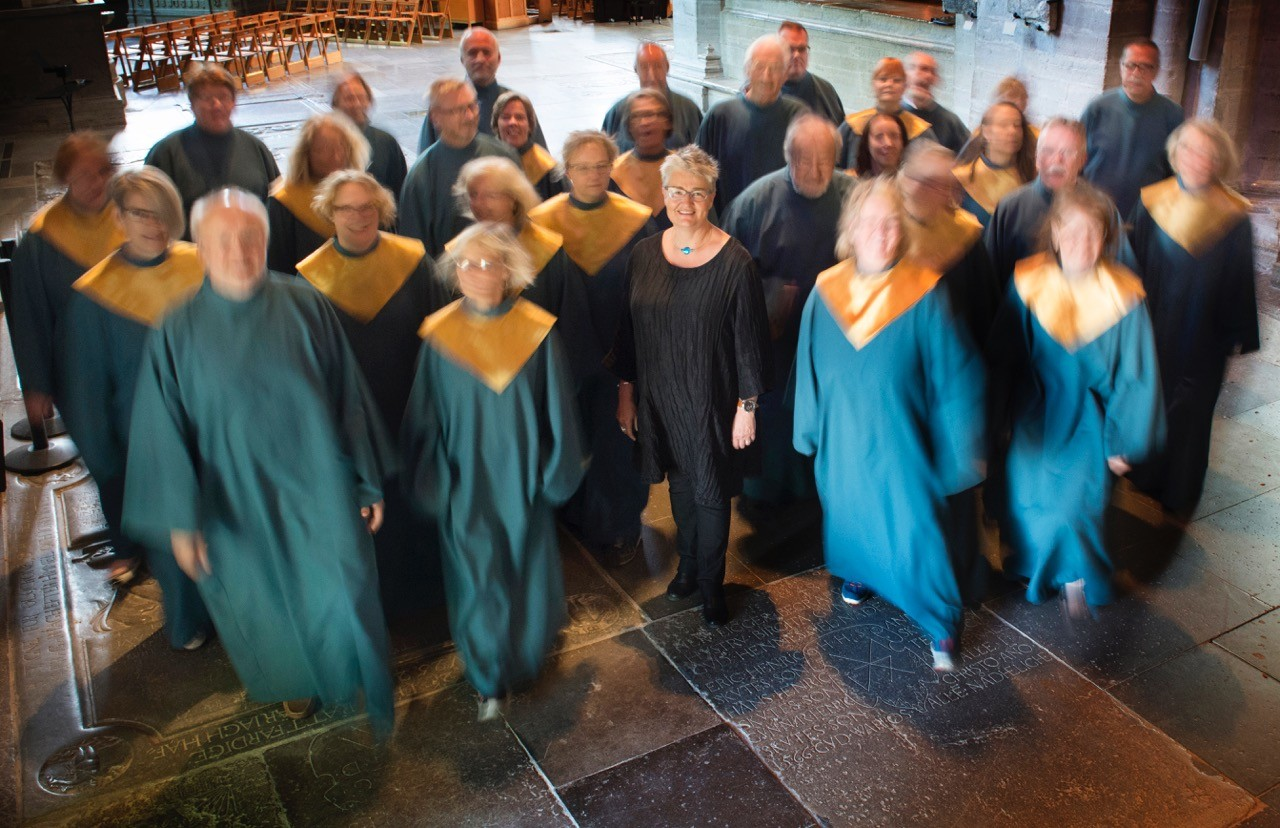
[(301, 708)]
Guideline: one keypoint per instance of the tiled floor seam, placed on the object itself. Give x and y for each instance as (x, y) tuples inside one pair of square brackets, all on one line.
[(1238, 657), (817, 819), (546, 780)]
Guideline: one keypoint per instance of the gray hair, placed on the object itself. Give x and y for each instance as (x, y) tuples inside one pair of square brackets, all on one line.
[(693, 160), (804, 121), (151, 184), (851, 212), (497, 239), (443, 87), (509, 178), (232, 198), (764, 40), (1226, 164)]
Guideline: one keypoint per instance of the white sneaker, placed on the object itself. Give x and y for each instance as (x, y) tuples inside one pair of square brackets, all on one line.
[(943, 660), (490, 709), (197, 641), (1073, 596)]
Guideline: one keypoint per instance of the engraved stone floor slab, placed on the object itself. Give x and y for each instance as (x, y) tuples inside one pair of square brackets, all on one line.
[(1256, 643), (443, 769), (604, 704), (1242, 545), (1221, 708), (709, 779), (843, 704), (82, 514)]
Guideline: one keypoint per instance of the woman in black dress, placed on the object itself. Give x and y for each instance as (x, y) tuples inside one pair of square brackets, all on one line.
[(692, 352)]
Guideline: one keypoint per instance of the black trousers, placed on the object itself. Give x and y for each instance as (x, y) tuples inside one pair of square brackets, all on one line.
[(702, 534)]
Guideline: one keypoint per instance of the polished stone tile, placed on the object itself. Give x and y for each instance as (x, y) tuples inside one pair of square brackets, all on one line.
[(1244, 462), (1265, 418), (597, 608), (710, 779), (1219, 707), (1251, 382), (778, 543), (1256, 643), (605, 704), (1242, 545), (443, 768), (843, 704)]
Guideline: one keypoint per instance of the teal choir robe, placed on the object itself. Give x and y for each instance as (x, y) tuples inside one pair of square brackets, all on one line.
[(200, 163), (492, 445), (685, 120), (428, 207), (1126, 144), (486, 96), (746, 139), (272, 460), (818, 94)]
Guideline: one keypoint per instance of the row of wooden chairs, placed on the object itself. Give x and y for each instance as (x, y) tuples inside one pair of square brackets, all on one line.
[(256, 48), (392, 22)]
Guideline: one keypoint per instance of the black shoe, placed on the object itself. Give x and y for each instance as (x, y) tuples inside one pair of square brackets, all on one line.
[(715, 612), (683, 585), (618, 555)]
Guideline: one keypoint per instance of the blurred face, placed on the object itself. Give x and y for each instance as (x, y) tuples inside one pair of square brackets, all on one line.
[(1077, 236), (482, 277), (480, 57), (211, 106), (588, 172), (355, 217), (1018, 99), (887, 86), (146, 234), (489, 202), (233, 244), (1003, 134), (798, 65), (886, 145), (688, 198), (928, 187), (922, 76), (353, 101), (513, 124), (1138, 68), (877, 232), (649, 124), (767, 74), (457, 117), (812, 162), (651, 68), (327, 154), (87, 182), (1196, 160), (1060, 157)]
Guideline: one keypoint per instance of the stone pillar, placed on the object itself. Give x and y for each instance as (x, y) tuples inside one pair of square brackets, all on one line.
[(695, 57), (1171, 30)]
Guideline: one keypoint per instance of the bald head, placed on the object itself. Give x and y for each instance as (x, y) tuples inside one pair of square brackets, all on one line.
[(480, 55), (652, 66), (811, 147), (230, 229), (922, 76), (765, 67)]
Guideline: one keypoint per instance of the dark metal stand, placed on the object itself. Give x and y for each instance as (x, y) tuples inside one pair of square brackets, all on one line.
[(42, 455), (53, 427), (65, 90)]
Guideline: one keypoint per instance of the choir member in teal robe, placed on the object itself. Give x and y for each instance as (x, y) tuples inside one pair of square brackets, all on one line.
[(1127, 129), (353, 97), (652, 66), (788, 221), (889, 402), (492, 445), (1079, 393), (598, 231), (110, 314), (486, 95), (265, 474), (211, 153), (1194, 240)]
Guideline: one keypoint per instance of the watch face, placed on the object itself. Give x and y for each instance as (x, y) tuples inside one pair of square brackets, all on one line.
[(750, 406)]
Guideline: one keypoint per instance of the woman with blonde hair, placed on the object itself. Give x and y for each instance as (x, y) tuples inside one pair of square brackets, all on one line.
[(327, 143), (111, 312), (1000, 160), (491, 445), (889, 400)]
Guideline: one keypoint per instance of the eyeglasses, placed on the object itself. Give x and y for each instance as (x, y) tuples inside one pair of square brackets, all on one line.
[(349, 210), (147, 216), (458, 110), (1141, 68), (482, 265), (680, 194), (590, 168), (938, 185), (649, 115)]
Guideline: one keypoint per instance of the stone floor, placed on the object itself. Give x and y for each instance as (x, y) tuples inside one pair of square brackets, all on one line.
[(1164, 711)]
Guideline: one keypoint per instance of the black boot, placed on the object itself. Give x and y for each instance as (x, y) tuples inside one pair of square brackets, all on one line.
[(686, 581), (715, 610)]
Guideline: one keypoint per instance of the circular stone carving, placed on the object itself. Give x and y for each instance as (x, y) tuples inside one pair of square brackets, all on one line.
[(590, 612), (86, 764)]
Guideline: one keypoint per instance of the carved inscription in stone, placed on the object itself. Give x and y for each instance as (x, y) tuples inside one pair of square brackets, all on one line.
[(82, 514), (249, 732), (89, 763)]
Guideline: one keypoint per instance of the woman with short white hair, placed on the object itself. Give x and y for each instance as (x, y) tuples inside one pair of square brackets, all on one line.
[(491, 446)]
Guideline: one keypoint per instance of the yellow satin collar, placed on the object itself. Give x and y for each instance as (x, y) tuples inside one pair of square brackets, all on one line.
[(640, 180), (863, 306), (914, 123), (493, 349), (944, 241), (540, 243), (592, 237), (361, 286), (85, 240), (537, 162), (986, 184), (1075, 312), (297, 200), (144, 294), (1195, 222)]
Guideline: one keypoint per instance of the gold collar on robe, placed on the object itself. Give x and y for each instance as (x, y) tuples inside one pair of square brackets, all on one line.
[(85, 240), (944, 241), (1195, 222), (1075, 312), (592, 237), (986, 184), (540, 243), (914, 123), (864, 305), (640, 180), (537, 162), (493, 349), (297, 200), (144, 294), (361, 285)]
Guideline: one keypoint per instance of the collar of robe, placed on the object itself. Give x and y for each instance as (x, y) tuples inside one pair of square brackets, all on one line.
[(297, 200), (914, 123), (360, 286), (592, 237), (540, 243), (640, 179), (940, 243), (144, 294), (863, 305), (986, 184), (491, 347), (537, 162), (1196, 222), (85, 240), (1075, 312)]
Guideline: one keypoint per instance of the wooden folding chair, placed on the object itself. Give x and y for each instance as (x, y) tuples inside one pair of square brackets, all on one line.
[(433, 21), (325, 28), (252, 61), (297, 52), (359, 20), (275, 55)]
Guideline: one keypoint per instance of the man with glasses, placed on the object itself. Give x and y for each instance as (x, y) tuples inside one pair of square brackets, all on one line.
[(428, 208), (818, 94), (1127, 128), (652, 66)]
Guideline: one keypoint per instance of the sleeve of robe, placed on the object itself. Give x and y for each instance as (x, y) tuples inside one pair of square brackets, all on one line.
[(1238, 313), (425, 476), (31, 317), (957, 395), (426, 135), (282, 242), (806, 423), (973, 291), (1135, 419), (411, 221), (573, 314), (397, 169), (90, 387), (751, 345), (564, 450), (621, 359)]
